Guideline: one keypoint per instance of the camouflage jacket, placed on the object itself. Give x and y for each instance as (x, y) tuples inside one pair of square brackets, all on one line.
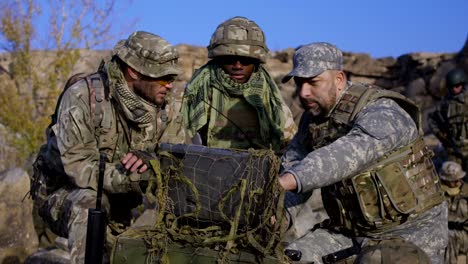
[(448, 123), (80, 144), (381, 127)]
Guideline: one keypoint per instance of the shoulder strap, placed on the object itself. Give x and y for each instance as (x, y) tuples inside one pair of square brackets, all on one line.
[(97, 96), (359, 95)]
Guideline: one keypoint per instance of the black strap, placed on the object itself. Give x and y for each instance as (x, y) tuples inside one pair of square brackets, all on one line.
[(342, 254)]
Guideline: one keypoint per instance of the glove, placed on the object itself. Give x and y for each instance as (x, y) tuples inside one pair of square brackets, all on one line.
[(139, 181), (145, 156)]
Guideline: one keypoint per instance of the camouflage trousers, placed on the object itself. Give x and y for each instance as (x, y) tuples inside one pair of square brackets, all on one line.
[(458, 245), (66, 213), (429, 232)]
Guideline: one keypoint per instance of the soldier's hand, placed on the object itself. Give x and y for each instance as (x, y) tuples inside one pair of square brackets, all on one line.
[(137, 160), (288, 181)]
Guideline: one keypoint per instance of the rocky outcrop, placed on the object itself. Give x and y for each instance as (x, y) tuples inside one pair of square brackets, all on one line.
[(18, 238)]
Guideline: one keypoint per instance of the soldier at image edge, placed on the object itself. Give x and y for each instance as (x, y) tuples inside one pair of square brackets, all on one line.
[(456, 190), (121, 111), (357, 143)]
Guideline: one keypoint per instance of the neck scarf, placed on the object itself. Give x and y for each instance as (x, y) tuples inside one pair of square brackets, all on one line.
[(134, 107), (210, 85)]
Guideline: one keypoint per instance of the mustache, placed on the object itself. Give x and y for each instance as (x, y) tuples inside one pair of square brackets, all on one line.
[(305, 102)]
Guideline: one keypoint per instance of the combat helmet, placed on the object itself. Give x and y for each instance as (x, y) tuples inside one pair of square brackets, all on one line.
[(455, 77), (451, 171), (238, 36), (149, 54)]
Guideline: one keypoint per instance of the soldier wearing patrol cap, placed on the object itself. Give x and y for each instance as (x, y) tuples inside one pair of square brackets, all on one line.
[(363, 147), (232, 101), (119, 110)]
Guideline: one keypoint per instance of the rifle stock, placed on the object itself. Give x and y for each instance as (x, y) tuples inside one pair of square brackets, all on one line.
[(95, 233)]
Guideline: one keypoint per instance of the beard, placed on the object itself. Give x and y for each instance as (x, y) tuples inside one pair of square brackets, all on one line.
[(321, 106)]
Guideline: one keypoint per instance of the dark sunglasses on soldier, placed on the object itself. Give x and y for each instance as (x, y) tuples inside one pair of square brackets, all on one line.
[(234, 59)]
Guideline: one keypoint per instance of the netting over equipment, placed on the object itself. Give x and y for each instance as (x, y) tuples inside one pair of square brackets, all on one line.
[(216, 198), (216, 190)]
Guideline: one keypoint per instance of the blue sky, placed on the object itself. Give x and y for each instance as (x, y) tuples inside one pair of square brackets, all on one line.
[(380, 28)]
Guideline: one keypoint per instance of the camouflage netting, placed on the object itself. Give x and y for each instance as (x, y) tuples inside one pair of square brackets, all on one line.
[(215, 198)]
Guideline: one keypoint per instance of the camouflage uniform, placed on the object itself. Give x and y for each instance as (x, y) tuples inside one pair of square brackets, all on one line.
[(331, 155), (221, 112), (457, 194), (127, 123), (448, 121)]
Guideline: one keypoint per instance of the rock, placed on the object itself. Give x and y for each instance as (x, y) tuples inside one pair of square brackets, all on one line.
[(18, 238)]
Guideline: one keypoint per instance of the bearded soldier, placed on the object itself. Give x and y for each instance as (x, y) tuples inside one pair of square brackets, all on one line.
[(363, 147), (449, 121), (232, 101), (120, 110)]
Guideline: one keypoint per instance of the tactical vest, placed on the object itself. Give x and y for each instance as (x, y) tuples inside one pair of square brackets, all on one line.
[(238, 126), (398, 187), (455, 114)]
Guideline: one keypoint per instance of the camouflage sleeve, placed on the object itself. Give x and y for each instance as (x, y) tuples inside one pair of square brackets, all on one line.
[(290, 127), (77, 143), (382, 126)]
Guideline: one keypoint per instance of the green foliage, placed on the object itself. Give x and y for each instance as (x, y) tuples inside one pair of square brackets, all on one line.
[(32, 81)]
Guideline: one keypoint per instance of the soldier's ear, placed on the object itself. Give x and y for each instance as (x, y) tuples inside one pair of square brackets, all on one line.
[(132, 73), (340, 80)]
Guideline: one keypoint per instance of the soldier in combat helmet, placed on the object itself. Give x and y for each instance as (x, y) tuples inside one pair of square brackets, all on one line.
[(448, 121), (363, 147), (131, 111), (456, 190), (232, 101)]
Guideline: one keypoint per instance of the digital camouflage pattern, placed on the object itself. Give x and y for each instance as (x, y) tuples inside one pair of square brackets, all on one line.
[(238, 36), (326, 57), (392, 251), (66, 209), (379, 127), (149, 54)]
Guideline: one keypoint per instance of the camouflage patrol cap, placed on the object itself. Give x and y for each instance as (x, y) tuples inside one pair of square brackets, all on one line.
[(238, 36), (149, 54), (451, 171), (312, 59)]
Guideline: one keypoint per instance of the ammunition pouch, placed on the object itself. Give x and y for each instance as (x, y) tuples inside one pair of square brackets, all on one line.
[(394, 190)]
